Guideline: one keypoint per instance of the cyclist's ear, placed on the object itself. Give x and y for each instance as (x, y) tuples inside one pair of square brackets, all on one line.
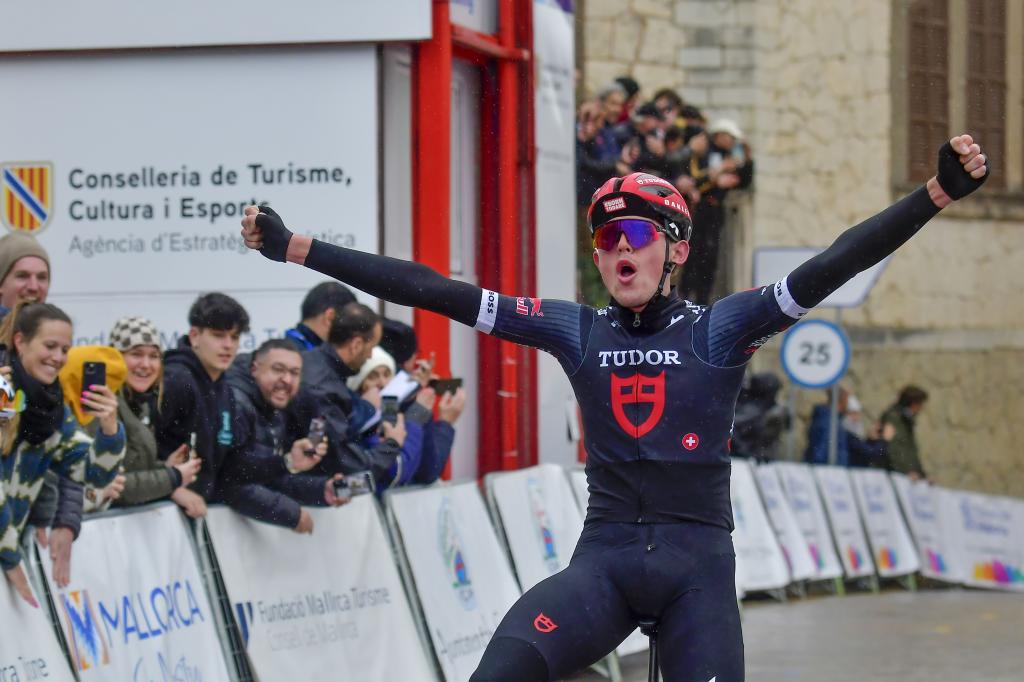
[(680, 252)]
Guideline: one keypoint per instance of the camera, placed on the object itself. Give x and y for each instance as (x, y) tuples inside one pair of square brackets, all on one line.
[(359, 483)]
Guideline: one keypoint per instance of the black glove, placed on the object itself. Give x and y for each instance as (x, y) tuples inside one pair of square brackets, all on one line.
[(953, 179), (275, 235)]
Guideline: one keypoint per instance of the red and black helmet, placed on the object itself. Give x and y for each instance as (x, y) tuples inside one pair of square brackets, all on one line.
[(641, 195)]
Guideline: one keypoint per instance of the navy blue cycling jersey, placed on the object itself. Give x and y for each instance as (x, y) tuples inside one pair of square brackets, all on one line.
[(657, 392)]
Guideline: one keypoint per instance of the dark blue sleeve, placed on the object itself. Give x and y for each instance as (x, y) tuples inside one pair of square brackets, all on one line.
[(553, 326), (438, 437), (728, 333)]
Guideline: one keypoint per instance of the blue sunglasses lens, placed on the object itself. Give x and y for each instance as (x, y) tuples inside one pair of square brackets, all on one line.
[(639, 233)]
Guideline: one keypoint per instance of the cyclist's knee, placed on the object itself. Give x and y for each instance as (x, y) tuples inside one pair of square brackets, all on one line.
[(511, 660)]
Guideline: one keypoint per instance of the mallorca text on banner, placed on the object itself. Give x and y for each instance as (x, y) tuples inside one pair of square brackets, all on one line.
[(136, 608)]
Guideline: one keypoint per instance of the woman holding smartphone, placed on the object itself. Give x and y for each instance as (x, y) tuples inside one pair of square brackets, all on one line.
[(44, 435)]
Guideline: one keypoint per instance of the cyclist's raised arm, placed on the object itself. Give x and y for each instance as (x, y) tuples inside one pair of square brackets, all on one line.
[(413, 284)]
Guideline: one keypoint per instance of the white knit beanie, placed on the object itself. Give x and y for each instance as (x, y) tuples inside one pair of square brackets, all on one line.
[(378, 358)]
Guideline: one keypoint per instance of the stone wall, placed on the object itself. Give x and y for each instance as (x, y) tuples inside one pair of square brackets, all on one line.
[(810, 83)]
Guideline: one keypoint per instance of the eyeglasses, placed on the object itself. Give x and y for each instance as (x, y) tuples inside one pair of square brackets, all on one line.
[(639, 233)]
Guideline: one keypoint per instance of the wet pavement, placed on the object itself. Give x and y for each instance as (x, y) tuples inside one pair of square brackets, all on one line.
[(926, 636)]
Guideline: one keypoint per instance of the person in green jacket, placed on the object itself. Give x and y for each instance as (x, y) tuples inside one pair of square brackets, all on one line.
[(903, 452)]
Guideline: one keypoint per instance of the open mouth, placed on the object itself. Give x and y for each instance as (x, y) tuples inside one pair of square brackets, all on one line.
[(626, 271)]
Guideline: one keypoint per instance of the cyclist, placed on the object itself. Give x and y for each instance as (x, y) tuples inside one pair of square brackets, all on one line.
[(657, 379)]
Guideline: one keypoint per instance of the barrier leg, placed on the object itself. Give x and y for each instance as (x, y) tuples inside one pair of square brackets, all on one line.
[(609, 667), (908, 582), (839, 586)]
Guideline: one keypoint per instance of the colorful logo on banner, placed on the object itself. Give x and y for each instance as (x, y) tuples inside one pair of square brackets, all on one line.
[(996, 571), (886, 557), (542, 524), (450, 544), (819, 561), (88, 646), (856, 560), (26, 196), (936, 562)]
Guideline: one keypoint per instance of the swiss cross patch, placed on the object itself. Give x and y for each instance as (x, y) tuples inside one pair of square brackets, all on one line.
[(615, 204), (691, 441)]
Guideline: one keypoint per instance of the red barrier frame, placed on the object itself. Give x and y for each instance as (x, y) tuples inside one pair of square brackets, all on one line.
[(506, 243)]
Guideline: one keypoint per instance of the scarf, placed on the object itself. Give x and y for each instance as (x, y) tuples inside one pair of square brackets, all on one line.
[(44, 406)]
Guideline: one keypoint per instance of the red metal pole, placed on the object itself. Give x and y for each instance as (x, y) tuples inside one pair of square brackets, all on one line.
[(431, 167)]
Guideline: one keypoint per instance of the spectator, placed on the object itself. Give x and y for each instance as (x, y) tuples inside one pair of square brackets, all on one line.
[(197, 407), (725, 166), (612, 100), (692, 116), (902, 417), (669, 103), (632, 90), (599, 155), (261, 479), (399, 341), (820, 429), (433, 438), (646, 129), (40, 335), (25, 276), (869, 447), (24, 271), (147, 479), (71, 381), (319, 309), (325, 372), (760, 420)]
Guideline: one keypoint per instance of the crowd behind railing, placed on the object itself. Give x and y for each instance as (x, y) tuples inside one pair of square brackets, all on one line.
[(341, 405), (616, 135)]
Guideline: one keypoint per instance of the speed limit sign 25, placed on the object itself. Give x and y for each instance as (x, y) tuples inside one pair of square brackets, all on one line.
[(815, 354)]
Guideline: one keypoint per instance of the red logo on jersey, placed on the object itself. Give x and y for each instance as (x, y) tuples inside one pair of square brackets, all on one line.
[(529, 306), (691, 441), (633, 390), (544, 624)]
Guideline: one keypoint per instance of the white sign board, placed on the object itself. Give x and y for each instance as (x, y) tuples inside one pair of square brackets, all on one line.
[(34, 654), (990, 540), (925, 507), (791, 540), (105, 24), (463, 579), (772, 264), (136, 609), (892, 547), (802, 493), (139, 187), (837, 494), (321, 606), (815, 354), (555, 209), (541, 520), (760, 564)]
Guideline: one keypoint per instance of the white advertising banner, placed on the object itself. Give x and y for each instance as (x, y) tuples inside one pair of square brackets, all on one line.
[(802, 494), (106, 24), (137, 191), (925, 507), (990, 539), (136, 607), (463, 579), (791, 540), (323, 606), (541, 520), (578, 478), (893, 550), (34, 654), (555, 203), (760, 564), (837, 494)]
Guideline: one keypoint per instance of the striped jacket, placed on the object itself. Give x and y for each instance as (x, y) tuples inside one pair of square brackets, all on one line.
[(69, 452)]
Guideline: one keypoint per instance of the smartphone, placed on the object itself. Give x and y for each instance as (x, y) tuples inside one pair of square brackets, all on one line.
[(442, 386), (359, 483), (93, 374), (191, 452), (317, 431), (389, 409)]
